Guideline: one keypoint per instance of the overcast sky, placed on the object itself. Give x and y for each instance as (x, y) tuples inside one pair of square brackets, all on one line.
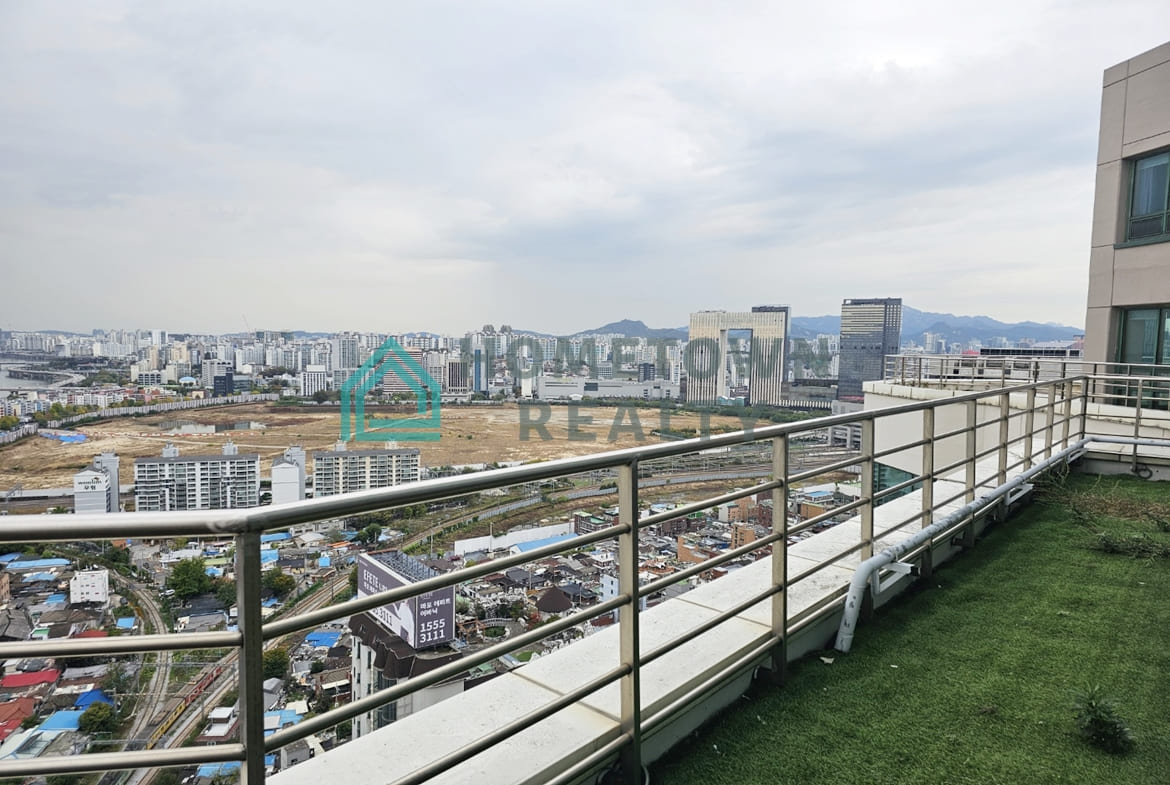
[(394, 166)]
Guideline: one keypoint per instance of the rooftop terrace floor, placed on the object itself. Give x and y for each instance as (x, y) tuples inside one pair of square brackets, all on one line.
[(970, 678)]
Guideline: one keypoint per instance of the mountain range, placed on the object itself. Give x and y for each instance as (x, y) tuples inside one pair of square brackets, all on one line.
[(953, 328)]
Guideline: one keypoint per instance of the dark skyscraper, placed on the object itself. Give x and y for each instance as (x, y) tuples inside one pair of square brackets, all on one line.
[(870, 331)]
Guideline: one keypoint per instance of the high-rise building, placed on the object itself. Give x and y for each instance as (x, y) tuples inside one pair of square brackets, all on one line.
[(95, 488), (344, 471), (211, 369), (313, 379), (709, 356), (871, 330), (197, 482), (345, 354), (400, 640), (288, 476), (1128, 316)]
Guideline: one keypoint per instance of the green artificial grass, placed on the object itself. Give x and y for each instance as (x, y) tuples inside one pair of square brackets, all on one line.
[(971, 678)]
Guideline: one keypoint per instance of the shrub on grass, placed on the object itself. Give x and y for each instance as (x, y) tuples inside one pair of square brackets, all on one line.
[(1098, 721)]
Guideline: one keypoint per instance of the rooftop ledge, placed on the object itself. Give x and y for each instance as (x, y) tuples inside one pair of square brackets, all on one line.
[(546, 750)]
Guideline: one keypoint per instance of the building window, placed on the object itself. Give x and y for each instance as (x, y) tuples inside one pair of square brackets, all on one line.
[(1145, 340), (1150, 198), (1145, 336)]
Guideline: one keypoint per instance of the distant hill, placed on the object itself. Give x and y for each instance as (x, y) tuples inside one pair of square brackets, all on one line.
[(638, 329), (951, 327)]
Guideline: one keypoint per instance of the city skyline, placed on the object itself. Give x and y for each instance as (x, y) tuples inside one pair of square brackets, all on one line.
[(467, 329), (240, 167)]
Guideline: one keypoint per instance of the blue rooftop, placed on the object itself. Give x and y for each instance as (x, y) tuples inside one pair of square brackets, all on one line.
[(9, 557), (39, 576), (268, 555), (524, 547), (37, 564), (275, 537), (324, 561), (287, 717), (68, 719), (819, 494), (56, 599), (87, 699), (126, 623), (212, 770), (323, 638)]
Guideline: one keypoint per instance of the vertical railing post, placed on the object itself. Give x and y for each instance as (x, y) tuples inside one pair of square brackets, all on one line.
[(251, 662), (1084, 432), (631, 698), (972, 448), (1050, 421), (1137, 421), (1005, 411), (1029, 425), (780, 559), (868, 467), (1066, 412), (927, 466)]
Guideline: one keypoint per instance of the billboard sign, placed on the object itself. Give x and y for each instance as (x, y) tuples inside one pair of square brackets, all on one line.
[(424, 621)]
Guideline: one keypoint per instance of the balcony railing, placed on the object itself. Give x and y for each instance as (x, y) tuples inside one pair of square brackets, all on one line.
[(981, 372), (959, 450)]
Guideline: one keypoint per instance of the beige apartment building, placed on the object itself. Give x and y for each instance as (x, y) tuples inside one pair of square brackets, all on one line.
[(1128, 318), (760, 360)]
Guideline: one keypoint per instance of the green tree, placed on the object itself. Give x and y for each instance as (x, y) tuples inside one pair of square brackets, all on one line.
[(98, 718), (278, 582), (370, 534), (117, 680), (317, 666), (321, 396), (276, 663), (65, 779), (189, 577), (225, 592)]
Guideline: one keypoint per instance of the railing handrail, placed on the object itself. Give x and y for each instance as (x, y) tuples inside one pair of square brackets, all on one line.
[(97, 526), (245, 525)]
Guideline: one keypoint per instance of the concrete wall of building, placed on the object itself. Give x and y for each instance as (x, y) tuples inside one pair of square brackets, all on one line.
[(1135, 120)]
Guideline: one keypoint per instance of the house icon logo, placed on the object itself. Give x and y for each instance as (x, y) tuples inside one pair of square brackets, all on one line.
[(390, 357)]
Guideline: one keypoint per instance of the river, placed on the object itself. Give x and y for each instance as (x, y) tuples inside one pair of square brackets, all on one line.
[(8, 383)]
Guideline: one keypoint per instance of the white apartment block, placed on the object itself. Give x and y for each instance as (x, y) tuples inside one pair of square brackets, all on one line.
[(197, 482), (343, 471), (313, 379), (90, 586), (92, 492), (562, 388), (288, 476), (211, 369), (95, 488)]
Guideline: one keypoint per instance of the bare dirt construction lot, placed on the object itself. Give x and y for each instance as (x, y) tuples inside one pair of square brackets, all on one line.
[(469, 435)]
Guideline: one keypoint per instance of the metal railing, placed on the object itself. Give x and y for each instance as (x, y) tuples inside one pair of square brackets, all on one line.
[(979, 372), (1014, 427)]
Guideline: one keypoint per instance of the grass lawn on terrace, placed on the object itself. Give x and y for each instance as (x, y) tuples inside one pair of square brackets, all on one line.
[(970, 680)]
